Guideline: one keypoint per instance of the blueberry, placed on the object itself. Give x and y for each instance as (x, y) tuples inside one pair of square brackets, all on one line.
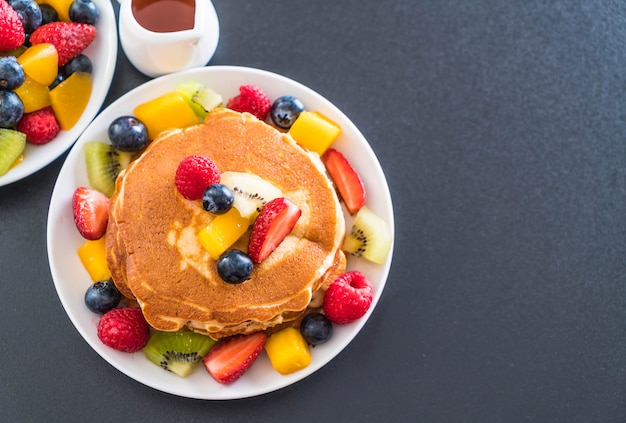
[(316, 328), (11, 73), (84, 11), (102, 296), (234, 266), (29, 12), (11, 109), (80, 63), (48, 14), (127, 133), (59, 78), (285, 110), (217, 199)]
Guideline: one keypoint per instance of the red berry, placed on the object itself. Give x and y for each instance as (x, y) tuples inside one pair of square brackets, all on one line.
[(348, 298), (12, 33), (91, 212), (40, 126), (194, 174), (251, 100), (346, 179), (124, 329), (275, 221), (231, 357), (69, 38)]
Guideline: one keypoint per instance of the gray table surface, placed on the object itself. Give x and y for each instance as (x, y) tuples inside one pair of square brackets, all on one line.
[(502, 131)]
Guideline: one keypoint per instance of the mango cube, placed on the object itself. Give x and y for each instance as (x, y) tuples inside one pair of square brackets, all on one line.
[(314, 131), (168, 111), (70, 98), (288, 351), (61, 6), (34, 95), (94, 257), (222, 232), (40, 62)]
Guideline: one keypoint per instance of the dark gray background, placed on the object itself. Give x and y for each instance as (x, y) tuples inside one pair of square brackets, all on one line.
[(501, 128)]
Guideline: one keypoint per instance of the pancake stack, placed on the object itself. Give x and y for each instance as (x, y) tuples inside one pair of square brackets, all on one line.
[(153, 250)]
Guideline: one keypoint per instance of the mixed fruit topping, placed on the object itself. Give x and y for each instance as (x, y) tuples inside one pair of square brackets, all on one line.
[(240, 203), (45, 79)]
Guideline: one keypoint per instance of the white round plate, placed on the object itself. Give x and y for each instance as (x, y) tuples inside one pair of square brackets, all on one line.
[(103, 54), (71, 280)]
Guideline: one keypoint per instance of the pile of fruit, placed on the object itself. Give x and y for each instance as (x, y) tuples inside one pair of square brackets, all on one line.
[(45, 79), (122, 325)]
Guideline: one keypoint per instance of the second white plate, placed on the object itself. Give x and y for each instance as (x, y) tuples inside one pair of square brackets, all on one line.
[(71, 279)]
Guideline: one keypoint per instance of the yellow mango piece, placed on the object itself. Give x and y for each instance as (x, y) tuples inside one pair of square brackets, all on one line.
[(40, 62), (69, 99), (222, 232), (61, 6), (168, 111), (314, 131), (288, 351), (94, 257), (34, 95)]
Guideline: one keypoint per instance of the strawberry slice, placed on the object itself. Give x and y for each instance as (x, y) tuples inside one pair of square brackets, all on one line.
[(69, 38), (11, 28), (275, 221), (231, 357), (91, 212), (346, 179)]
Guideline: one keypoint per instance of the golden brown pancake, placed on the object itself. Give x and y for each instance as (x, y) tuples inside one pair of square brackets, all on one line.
[(156, 258)]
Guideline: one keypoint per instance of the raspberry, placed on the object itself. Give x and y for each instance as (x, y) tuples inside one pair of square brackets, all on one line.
[(40, 126), (251, 100), (348, 298), (194, 175), (124, 329)]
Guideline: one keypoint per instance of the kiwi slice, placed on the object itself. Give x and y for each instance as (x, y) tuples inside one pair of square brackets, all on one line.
[(12, 144), (177, 352), (251, 192), (369, 237), (201, 99), (104, 163)]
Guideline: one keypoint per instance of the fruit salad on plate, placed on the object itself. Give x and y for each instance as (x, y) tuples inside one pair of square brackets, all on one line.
[(197, 178), (45, 77)]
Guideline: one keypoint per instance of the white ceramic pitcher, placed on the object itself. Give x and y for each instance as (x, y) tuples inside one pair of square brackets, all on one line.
[(158, 53)]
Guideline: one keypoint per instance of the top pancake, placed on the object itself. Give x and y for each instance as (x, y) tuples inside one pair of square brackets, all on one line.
[(152, 245)]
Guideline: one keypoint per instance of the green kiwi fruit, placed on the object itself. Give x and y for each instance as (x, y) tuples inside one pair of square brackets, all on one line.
[(369, 237), (251, 192), (104, 163), (201, 99), (12, 144), (177, 352)]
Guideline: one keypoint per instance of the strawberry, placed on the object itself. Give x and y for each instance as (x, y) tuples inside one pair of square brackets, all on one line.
[(12, 33), (346, 179), (69, 38), (39, 126), (275, 221), (251, 100), (231, 357), (348, 298), (194, 174), (124, 329), (91, 212)]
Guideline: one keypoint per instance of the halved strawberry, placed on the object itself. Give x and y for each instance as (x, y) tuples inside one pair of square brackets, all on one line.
[(69, 38), (91, 212), (231, 357), (12, 33), (275, 221), (346, 179)]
